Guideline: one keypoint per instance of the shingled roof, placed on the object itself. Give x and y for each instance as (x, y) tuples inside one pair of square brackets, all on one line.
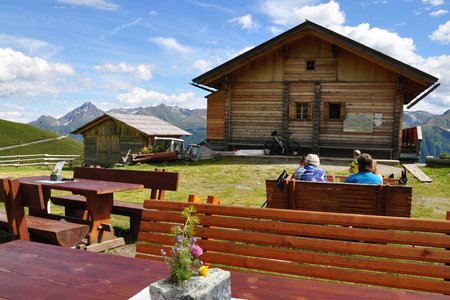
[(213, 78), (147, 125)]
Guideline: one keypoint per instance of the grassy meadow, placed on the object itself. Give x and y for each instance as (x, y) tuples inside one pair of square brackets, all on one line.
[(241, 181)]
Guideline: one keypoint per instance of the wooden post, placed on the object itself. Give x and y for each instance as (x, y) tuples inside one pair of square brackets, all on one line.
[(448, 249), (290, 194), (213, 200), (194, 199)]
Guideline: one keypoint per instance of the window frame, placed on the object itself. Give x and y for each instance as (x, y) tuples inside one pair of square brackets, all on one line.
[(342, 112), (310, 65), (293, 105)]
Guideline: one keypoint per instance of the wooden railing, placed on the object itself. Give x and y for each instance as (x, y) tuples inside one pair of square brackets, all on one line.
[(36, 159)]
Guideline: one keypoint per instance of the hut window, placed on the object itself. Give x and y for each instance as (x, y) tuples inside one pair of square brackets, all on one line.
[(301, 111), (334, 111), (310, 65)]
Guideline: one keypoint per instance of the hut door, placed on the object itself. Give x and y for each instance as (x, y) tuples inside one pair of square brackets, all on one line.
[(108, 150)]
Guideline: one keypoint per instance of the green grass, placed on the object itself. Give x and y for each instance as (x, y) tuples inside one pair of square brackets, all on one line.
[(241, 181), (16, 133), (431, 200)]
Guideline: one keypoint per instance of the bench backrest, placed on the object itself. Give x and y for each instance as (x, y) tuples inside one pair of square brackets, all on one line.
[(156, 181), (375, 250), (367, 199)]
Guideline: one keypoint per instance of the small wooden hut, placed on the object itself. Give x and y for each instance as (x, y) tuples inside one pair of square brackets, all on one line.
[(109, 137), (331, 93)]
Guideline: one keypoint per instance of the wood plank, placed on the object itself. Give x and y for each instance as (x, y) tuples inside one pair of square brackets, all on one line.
[(418, 173)]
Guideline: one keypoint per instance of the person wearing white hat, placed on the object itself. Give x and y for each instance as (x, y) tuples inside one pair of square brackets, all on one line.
[(311, 171)]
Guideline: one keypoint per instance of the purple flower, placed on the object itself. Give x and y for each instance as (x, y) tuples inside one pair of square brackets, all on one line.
[(179, 239), (196, 250), (193, 239)]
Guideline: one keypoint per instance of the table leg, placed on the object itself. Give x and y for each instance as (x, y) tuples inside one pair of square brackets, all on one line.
[(99, 207)]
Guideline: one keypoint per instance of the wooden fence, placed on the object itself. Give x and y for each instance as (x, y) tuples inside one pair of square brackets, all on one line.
[(36, 159)]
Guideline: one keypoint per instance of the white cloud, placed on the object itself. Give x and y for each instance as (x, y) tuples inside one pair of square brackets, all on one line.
[(439, 100), (387, 42), (442, 34), (140, 72), (171, 44), (97, 4), (202, 65), (433, 2), (21, 74), (291, 12), (246, 22), (29, 45), (438, 13), (153, 13), (121, 27), (140, 96)]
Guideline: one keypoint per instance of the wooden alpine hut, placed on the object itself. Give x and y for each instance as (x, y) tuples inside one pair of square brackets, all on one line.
[(110, 137), (328, 92)]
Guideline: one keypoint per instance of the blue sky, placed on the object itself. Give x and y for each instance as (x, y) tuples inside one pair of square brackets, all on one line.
[(57, 54)]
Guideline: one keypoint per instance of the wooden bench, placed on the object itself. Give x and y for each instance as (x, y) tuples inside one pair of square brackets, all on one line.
[(157, 181), (404, 253), (386, 200), (16, 197)]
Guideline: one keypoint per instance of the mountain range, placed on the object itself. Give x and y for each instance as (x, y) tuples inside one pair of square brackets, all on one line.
[(435, 128), (193, 121)]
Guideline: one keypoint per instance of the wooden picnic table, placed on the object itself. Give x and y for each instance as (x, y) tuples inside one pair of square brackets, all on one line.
[(99, 202), (32, 270)]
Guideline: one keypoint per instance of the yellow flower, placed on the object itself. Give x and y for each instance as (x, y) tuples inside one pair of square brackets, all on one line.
[(204, 271)]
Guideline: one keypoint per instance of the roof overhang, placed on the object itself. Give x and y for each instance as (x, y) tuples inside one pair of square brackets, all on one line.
[(417, 80)]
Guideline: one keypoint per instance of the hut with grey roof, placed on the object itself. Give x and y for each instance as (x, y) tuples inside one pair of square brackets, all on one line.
[(110, 137)]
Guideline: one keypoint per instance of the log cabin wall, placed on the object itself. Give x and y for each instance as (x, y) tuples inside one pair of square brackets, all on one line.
[(108, 141), (215, 116)]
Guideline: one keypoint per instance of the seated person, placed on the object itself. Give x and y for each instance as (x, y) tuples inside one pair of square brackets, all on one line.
[(354, 166), (301, 163), (311, 171), (375, 169), (365, 175)]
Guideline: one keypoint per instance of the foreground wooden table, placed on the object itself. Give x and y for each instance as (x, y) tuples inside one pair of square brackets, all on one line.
[(99, 202), (31, 270)]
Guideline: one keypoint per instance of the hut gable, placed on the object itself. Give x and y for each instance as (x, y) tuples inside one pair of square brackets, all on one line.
[(109, 137)]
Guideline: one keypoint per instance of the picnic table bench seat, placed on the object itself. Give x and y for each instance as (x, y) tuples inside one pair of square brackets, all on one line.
[(35, 227), (393, 252), (157, 181)]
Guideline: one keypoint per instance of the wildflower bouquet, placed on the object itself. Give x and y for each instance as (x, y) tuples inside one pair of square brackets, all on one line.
[(184, 256)]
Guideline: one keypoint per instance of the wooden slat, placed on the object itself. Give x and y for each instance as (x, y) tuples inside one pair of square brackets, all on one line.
[(343, 233), (316, 244), (387, 280), (381, 222)]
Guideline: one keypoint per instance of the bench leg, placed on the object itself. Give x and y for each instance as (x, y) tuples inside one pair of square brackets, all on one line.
[(135, 220), (75, 212)]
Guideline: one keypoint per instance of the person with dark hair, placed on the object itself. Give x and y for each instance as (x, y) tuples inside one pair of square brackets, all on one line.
[(365, 175), (310, 170)]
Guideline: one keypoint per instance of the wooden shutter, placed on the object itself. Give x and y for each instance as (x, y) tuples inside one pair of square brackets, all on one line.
[(343, 110), (292, 110), (326, 111)]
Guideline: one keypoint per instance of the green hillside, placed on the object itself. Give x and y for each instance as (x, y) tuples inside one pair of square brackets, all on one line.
[(63, 146), (435, 141), (12, 133)]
